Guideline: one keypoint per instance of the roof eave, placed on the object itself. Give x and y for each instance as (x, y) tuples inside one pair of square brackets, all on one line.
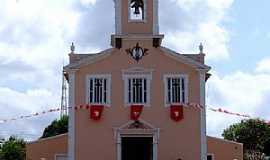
[(186, 60), (88, 60)]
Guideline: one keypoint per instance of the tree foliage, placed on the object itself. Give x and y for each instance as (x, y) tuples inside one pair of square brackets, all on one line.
[(13, 148), (56, 127), (254, 155), (267, 148), (253, 133)]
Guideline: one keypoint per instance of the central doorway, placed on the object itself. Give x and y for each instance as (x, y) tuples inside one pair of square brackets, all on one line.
[(137, 148)]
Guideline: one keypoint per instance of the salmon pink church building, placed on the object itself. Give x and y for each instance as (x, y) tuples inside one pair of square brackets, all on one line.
[(137, 100)]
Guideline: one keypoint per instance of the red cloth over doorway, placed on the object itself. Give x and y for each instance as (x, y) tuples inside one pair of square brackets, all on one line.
[(135, 112)]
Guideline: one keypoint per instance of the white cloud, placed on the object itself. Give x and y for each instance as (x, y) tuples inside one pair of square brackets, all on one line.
[(197, 21), (263, 66), (87, 2), (213, 37), (240, 92), (14, 103), (219, 4), (35, 37), (268, 34), (187, 4), (29, 101)]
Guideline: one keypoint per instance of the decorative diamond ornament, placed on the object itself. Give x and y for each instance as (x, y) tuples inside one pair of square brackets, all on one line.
[(137, 52)]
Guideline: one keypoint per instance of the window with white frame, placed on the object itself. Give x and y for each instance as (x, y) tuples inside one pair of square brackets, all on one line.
[(60, 157), (175, 89), (137, 89), (99, 89)]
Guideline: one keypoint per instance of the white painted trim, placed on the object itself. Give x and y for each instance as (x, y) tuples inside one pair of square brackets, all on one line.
[(186, 79), (153, 132), (61, 155), (155, 145), (131, 121), (137, 70), (109, 87), (203, 116), (212, 155), (138, 36), (148, 77), (135, 20), (183, 59), (71, 126), (187, 88), (90, 60), (118, 17), (156, 17), (119, 147)]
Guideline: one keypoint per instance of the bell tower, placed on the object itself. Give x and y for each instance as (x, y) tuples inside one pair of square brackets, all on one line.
[(136, 18)]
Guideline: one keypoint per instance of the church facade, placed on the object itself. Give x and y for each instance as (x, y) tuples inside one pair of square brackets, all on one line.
[(138, 99)]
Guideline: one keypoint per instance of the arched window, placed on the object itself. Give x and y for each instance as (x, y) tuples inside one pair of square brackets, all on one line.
[(136, 10)]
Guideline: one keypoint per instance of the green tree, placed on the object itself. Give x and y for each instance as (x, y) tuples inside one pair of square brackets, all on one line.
[(13, 148), (267, 148), (2, 140), (56, 127), (253, 133)]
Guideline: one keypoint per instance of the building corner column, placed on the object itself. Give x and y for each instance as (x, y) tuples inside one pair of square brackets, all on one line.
[(202, 74), (156, 17), (71, 113), (118, 17)]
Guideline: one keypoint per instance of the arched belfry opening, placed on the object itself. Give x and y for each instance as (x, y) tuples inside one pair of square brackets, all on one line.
[(137, 10), (136, 20)]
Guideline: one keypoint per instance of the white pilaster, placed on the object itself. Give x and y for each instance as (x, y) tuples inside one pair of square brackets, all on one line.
[(155, 17), (71, 124), (118, 17), (203, 116), (155, 147), (119, 147)]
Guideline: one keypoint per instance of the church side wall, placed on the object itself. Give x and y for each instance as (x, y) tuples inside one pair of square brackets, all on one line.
[(224, 150), (47, 148)]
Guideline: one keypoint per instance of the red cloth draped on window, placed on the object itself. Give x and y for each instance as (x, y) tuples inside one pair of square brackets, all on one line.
[(177, 113), (96, 112), (135, 112)]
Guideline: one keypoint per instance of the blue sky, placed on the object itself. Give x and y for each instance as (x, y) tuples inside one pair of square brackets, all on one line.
[(248, 24), (35, 36)]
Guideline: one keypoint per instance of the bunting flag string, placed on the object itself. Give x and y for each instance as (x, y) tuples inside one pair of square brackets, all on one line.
[(30, 115), (228, 112), (52, 110)]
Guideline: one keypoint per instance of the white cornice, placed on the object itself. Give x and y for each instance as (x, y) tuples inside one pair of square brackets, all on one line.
[(138, 36), (150, 126), (184, 59), (137, 70), (89, 60)]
